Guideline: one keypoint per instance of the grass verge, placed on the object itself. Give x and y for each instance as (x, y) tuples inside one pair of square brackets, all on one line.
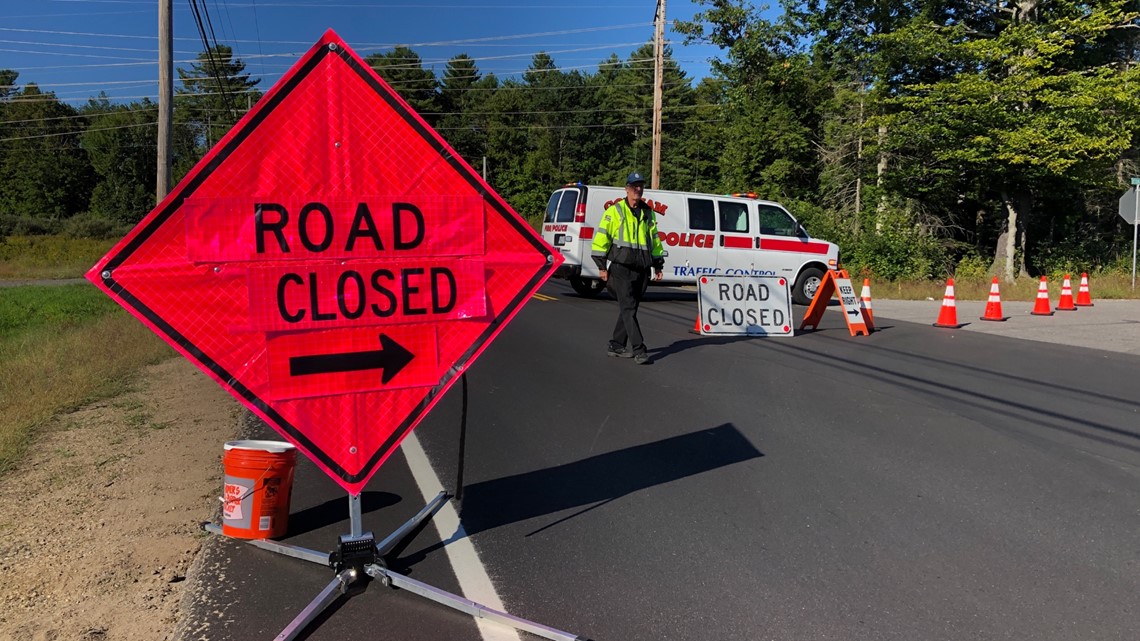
[(1101, 286), (50, 366), (34, 257)]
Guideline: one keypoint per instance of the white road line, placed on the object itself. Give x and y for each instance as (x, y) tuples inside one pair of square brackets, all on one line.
[(474, 583)]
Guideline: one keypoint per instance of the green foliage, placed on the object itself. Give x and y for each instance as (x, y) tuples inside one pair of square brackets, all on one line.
[(43, 171), (26, 225), (403, 70), (94, 226), (1070, 254), (463, 117), (896, 247), (820, 222), (216, 91), (972, 266), (42, 256), (23, 309), (120, 143)]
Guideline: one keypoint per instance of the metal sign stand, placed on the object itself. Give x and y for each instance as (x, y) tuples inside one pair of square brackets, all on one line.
[(359, 558)]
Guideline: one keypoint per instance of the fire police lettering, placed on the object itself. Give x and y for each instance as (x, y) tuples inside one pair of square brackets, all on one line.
[(674, 239)]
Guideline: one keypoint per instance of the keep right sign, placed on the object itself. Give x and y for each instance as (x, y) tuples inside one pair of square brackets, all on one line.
[(745, 305), (838, 282)]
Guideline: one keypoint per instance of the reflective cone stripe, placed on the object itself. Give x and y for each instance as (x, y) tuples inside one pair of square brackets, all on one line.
[(993, 304), (1042, 306), (1065, 304), (865, 304), (1084, 298), (948, 316)]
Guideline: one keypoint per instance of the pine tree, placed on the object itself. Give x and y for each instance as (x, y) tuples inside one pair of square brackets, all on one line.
[(403, 70), (216, 91), (45, 177)]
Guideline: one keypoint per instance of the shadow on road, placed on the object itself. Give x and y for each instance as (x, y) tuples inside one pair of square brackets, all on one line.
[(697, 340), (335, 511), (595, 481)]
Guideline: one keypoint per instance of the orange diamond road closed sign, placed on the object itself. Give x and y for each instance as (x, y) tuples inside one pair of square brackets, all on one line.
[(332, 263)]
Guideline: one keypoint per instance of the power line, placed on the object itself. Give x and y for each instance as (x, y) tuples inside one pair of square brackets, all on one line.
[(306, 43), (80, 132), (631, 62), (497, 127), (210, 51)]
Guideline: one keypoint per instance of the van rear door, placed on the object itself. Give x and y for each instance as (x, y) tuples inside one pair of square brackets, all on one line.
[(559, 227)]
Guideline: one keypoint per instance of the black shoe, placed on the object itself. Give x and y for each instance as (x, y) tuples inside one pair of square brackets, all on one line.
[(618, 352), (641, 359)]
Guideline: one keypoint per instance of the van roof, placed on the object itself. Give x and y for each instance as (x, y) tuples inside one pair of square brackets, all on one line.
[(750, 196)]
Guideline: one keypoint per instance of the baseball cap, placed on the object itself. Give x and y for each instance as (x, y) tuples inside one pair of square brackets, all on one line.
[(634, 178)]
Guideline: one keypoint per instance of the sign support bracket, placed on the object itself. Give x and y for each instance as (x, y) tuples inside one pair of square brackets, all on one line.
[(355, 523), (359, 555)]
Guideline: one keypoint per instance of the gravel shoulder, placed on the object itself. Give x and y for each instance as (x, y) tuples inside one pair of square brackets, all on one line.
[(99, 526)]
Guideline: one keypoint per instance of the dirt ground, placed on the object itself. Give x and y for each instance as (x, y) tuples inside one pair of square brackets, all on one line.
[(100, 525)]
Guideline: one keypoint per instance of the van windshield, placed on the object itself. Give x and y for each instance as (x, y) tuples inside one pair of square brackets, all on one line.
[(560, 208)]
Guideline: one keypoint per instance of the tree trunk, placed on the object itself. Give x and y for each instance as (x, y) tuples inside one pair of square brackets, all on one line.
[(859, 155), (1008, 261), (880, 173)]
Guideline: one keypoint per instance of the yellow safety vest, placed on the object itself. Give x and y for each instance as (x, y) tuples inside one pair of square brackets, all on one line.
[(627, 239)]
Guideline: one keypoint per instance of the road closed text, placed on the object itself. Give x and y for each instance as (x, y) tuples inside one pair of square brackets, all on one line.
[(318, 263), (281, 229), (744, 305), (365, 293)]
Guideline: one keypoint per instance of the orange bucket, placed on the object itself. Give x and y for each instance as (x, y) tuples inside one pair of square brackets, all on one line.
[(258, 482)]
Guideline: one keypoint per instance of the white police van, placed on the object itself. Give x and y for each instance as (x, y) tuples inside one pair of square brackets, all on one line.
[(701, 234)]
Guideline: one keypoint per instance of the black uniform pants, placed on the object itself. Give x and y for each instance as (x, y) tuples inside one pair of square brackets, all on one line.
[(625, 284)]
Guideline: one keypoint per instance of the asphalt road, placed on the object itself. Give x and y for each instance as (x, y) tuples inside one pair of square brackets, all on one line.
[(918, 483)]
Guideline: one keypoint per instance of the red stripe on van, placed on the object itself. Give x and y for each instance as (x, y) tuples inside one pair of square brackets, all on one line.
[(586, 233), (793, 246), (738, 242)]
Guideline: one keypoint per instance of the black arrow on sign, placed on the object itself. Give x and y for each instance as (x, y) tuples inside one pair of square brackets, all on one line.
[(391, 357)]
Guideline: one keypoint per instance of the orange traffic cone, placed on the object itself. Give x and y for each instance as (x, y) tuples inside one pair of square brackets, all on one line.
[(948, 317), (865, 305), (993, 304), (696, 325), (1084, 299), (1065, 304), (1042, 306)]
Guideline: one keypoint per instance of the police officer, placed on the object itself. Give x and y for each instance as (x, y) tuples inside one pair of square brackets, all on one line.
[(625, 247)]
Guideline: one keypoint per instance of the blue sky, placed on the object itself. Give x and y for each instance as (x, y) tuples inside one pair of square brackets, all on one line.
[(78, 48)]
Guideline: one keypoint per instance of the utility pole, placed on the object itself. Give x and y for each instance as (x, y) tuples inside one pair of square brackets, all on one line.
[(165, 97), (658, 89)]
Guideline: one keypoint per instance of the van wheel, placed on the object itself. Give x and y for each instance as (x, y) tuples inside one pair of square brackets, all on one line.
[(807, 283), (587, 287)]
